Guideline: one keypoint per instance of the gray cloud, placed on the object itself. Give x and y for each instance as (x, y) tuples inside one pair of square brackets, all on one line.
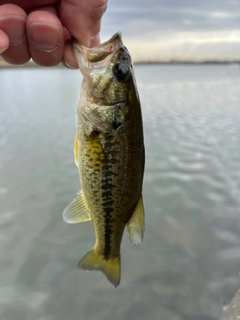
[(204, 26)]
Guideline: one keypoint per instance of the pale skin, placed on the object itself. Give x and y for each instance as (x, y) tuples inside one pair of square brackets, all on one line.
[(42, 29)]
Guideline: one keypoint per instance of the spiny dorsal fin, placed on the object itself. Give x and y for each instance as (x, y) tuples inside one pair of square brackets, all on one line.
[(76, 211), (75, 150), (135, 226)]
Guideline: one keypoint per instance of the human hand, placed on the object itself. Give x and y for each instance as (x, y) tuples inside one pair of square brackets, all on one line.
[(42, 29)]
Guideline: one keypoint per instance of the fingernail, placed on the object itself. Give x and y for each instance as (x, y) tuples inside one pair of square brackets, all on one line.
[(4, 41), (15, 29), (44, 37), (95, 41), (69, 64), (2, 50)]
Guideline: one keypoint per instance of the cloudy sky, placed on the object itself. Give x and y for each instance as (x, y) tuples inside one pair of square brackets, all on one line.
[(164, 30)]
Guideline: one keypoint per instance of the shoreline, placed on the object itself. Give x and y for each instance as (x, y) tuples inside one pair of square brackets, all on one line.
[(32, 64)]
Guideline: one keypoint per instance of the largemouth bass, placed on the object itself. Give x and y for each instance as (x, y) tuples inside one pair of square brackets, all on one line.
[(109, 152)]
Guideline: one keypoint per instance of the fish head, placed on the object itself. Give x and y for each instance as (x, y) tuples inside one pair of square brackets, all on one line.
[(108, 79), (107, 69)]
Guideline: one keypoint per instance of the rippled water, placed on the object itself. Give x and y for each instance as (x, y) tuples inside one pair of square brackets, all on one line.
[(188, 265)]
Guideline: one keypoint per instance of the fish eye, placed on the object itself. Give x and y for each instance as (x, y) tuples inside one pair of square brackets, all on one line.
[(121, 71)]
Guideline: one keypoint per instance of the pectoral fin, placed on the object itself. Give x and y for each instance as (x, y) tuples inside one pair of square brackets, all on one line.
[(135, 225), (76, 211), (75, 150)]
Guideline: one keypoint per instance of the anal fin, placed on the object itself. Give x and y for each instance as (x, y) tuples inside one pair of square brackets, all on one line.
[(136, 225), (76, 211)]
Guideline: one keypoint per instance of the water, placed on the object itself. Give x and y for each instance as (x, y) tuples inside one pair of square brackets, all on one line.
[(188, 265)]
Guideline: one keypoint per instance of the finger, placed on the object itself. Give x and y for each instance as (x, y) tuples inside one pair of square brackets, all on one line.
[(12, 24), (45, 36), (29, 4), (82, 18), (4, 41), (69, 59)]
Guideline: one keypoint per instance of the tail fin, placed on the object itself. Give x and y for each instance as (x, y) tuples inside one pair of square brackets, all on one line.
[(110, 267)]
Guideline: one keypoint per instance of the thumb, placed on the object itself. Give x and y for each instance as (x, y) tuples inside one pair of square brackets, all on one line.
[(82, 18)]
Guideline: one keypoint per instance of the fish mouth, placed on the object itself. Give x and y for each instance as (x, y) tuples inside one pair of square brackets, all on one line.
[(89, 58)]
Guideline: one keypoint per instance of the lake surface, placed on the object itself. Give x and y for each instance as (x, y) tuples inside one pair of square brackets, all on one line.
[(188, 265)]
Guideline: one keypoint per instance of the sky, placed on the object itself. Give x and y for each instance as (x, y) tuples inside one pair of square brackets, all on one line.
[(181, 30)]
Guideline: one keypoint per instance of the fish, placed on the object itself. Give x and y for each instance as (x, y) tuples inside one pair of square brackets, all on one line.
[(109, 153)]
